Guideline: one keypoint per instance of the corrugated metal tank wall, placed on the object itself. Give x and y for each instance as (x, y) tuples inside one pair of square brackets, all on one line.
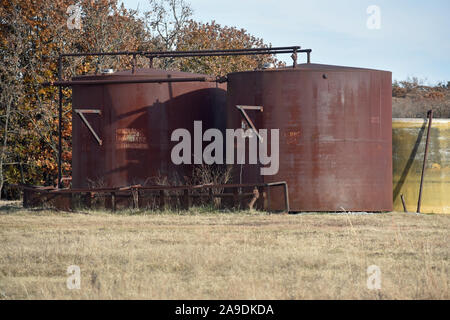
[(335, 133), (136, 124)]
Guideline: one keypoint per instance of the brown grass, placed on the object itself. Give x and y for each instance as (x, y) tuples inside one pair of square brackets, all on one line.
[(221, 256)]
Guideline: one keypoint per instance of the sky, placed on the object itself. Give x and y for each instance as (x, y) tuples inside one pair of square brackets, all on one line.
[(408, 37)]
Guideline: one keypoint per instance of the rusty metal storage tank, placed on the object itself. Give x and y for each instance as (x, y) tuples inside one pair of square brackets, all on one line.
[(129, 139), (335, 133)]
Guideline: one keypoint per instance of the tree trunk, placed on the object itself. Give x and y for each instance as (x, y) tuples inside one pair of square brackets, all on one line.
[(4, 145)]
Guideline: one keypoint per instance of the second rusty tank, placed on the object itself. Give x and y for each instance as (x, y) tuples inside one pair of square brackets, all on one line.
[(335, 133), (122, 131)]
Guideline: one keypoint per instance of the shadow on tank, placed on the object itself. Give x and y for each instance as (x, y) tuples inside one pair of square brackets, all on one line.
[(147, 139)]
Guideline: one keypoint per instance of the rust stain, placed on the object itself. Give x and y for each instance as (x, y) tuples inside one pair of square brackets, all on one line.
[(130, 138)]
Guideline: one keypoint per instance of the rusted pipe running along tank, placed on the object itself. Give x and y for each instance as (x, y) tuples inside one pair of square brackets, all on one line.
[(132, 123), (335, 128)]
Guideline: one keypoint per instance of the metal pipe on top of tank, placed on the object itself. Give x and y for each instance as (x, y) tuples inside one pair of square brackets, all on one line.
[(106, 82)]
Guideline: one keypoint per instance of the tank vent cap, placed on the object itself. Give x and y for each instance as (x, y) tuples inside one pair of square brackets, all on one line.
[(107, 71), (268, 65)]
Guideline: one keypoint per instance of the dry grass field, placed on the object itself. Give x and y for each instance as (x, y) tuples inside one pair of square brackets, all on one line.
[(201, 255)]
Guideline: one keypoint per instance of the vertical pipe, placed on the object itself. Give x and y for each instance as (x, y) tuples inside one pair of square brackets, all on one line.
[(133, 64), (286, 197), (294, 58), (135, 196), (308, 55), (113, 201), (59, 184), (236, 198), (403, 202), (430, 116), (162, 200), (186, 199), (211, 197)]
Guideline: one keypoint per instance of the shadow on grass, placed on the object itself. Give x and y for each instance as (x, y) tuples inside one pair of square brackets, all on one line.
[(195, 210), (13, 207), (10, 207)]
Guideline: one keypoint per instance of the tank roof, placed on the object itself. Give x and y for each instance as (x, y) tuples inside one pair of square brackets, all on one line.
[(145, 73), (328, 67), (314, 67)]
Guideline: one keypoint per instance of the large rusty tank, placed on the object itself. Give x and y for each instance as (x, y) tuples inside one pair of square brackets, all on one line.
[(130, 141), (335, 133)]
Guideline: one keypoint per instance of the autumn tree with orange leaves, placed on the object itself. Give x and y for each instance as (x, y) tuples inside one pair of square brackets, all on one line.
[(34, 33), (208, 36)]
